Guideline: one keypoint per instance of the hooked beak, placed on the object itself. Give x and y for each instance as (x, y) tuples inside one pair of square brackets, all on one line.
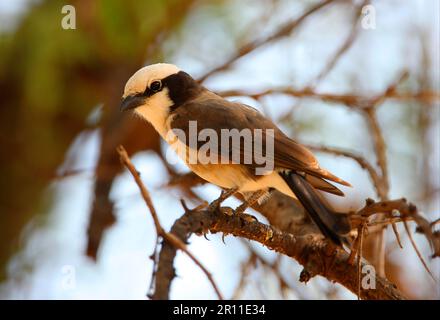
[(131, 102)]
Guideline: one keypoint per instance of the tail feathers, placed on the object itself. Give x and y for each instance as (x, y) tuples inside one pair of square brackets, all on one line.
[(322, 173), (333, 225), (323, 185)]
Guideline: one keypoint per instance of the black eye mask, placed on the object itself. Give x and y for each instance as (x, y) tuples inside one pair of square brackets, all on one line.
[(155, 87)]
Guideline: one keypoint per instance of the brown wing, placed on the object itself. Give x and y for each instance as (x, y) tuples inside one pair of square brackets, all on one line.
[(213, 112)]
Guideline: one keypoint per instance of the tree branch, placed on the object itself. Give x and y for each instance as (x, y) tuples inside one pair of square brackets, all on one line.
[(291, 233), (170, 238), (283, 31), (318, 256), (363, 163), (350, 100)]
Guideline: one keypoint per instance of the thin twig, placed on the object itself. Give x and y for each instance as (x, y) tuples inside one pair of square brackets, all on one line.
[(363, 163), (396, 233), (274, 267), (407, 211), (283, 31), (154, 256), (370, 115), (380, 151), (169, 237), (245, 270), (413, 243), (344, 46), (350, 100), (437, 221), (359, 265)]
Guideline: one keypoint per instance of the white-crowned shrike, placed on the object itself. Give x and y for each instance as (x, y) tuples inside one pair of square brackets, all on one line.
[(178, 106)]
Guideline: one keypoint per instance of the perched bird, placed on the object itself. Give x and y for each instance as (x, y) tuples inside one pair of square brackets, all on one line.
[(171, 100)]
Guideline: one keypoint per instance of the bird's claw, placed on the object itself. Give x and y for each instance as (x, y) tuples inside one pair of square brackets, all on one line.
[(241, 208), (214, 205), (223, 196), (227, 211)]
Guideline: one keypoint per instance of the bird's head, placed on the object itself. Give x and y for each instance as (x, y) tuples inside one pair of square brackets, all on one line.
[(147, 86), (155, 90)]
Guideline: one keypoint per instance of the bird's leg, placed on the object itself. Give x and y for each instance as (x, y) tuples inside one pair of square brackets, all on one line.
[(250, 201), (223, 196)]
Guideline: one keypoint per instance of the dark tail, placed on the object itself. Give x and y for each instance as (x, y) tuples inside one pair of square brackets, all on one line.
[(332, 224)]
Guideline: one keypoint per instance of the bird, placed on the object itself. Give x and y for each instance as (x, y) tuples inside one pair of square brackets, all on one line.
[(171, 101)]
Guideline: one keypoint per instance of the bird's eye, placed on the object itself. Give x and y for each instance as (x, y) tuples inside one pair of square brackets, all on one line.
[(156, 86)]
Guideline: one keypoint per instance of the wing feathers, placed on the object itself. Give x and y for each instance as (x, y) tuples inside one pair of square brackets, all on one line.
[(213, 112)]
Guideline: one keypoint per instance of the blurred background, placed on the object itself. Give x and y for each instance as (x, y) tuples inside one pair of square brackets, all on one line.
[(72, 222)]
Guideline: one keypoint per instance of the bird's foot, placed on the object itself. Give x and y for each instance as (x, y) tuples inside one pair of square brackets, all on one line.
[(223, 196), (227, 211), (250, 201), (241, 208)]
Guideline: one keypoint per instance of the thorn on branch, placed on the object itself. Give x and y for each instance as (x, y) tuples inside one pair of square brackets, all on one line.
[(369, 202), (305, 276), (407, 211)]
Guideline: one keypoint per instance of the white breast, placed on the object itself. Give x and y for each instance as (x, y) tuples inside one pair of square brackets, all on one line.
[(156, 111)]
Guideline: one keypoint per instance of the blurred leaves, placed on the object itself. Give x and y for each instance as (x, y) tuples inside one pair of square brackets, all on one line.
[(51, 79)]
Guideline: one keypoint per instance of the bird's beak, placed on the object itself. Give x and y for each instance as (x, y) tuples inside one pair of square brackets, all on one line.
[(131, 102)]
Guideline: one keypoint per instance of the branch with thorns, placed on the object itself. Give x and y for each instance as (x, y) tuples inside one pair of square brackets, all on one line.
[(318, 256)]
